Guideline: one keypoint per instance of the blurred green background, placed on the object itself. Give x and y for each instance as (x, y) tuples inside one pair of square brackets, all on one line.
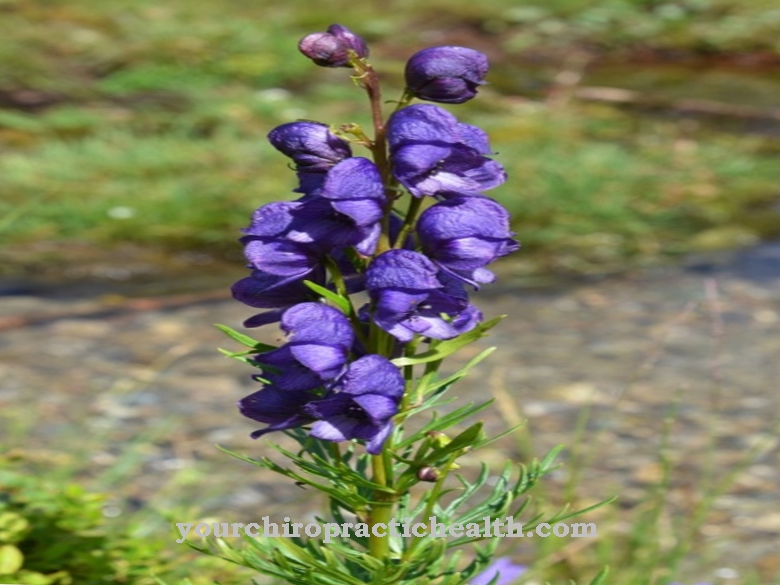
[(135, 121), (633, 131)]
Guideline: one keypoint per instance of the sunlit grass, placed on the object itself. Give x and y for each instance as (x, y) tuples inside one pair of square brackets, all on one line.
[(157, 132)]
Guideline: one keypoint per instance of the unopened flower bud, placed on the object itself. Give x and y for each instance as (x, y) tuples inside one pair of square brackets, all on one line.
[(438, 438), (430, 474), (332, 48), (447, 75), (350, 39)]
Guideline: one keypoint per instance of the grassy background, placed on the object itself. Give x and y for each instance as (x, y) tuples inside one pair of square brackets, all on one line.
[(132, 121)]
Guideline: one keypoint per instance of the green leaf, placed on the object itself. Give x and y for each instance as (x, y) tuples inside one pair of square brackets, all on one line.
[(546, 463), (445, 422), (449, 346), (461, 441), (11, 559), (501, 435), (244, 339), (328, 294), (599, 579), (462, 373)]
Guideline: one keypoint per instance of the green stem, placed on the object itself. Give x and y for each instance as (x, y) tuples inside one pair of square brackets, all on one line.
[(409, 351), (341, 288), (381, 508), (409, 220)]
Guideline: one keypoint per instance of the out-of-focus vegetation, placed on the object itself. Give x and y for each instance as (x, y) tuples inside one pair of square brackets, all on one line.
[(145, 122), (54, 534)]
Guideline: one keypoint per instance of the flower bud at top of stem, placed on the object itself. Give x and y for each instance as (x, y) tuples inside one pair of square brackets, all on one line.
[(334, 48)]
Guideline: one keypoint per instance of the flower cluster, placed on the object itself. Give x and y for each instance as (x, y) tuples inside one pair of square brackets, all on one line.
[(334, 375)]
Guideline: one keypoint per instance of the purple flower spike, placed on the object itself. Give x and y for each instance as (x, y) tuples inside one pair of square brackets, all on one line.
[(506, 570), (434, 154), (447, 75), (332, 48), (365, 399), (464, 234), (313, 148)]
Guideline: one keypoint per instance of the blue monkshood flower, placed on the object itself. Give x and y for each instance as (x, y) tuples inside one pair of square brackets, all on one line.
[(290, 238), (447, 75), (506, 570), (268, 249), (332, 48), (319, 340), (362, 404), (410, 296), (268, 291), (346, 211), (280, 409), (465, 234), (313, 148), (434, 154)]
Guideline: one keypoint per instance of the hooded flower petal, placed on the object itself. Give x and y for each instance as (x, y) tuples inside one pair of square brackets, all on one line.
[(410, 297), (310, 144), (280, 409), (361, 404), (446, 74), (319, 341), (402, 269), (269, 291), (281, 257), (372, 374), (317, 323), (313, 148), (354, 187), (282, 370), (270, 221), (433, 154), (464, 234)]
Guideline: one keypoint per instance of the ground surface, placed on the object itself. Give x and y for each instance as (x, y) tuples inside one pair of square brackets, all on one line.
[(138, 395)]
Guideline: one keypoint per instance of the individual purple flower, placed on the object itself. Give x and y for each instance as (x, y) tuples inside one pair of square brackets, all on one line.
[(332, 48), (361, 404), (268, 249), (280, 409), (465, 234), (409, 298), (346, 211), (354, 187), (447, 75), (434, 154), (313, 148), (319, 340), (268, 291), (503, 568)]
